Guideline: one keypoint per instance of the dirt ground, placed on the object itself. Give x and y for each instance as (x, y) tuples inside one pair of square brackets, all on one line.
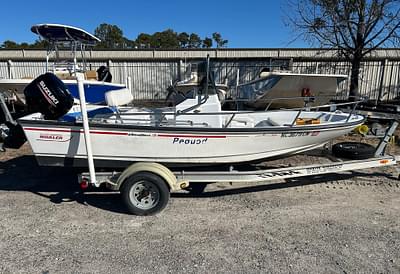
[(331, 224)]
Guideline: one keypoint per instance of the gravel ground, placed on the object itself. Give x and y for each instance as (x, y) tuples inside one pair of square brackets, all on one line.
[(331, 224)]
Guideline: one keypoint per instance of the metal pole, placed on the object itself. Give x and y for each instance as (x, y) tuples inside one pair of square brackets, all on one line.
[(80, 78), (207, 74), (126, 73), (381, 83), (4, 108), (237, 82), (129, 84), (10, 69), (237, 89)]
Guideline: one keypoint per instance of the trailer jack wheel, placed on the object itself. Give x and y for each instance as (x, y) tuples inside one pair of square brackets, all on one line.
[(145, 193), (197, 188)]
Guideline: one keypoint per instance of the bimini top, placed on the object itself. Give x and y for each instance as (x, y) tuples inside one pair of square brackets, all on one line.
[(64, 33)]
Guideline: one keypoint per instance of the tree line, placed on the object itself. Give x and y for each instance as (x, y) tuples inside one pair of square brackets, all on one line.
[(112, 37)]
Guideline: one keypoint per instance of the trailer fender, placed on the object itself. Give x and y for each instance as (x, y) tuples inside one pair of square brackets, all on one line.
[(155, 168)]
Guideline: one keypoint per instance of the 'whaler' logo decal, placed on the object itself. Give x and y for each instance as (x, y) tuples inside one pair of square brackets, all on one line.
[(48, 95), (53, 137)]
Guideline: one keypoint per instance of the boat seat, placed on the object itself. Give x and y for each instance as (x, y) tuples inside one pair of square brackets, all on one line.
[(90, 75), (74, 116), (64, 75), (118, 97)]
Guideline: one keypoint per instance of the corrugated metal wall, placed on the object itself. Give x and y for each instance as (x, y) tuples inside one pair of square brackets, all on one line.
[(155, 70)]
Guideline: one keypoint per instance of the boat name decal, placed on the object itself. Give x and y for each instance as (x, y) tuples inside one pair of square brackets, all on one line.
[(189, 141), (48, 94), (299, 134)]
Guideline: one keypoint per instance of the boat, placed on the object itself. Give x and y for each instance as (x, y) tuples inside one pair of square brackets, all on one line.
[(194, 132), (64, 39), (194, 79), (277, 89)]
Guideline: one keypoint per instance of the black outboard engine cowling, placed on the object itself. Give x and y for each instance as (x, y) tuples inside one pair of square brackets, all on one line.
[(104, 74), (48, 95)]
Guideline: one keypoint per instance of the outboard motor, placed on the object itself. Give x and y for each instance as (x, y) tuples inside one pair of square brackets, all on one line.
[(48, 95), (104, 74)]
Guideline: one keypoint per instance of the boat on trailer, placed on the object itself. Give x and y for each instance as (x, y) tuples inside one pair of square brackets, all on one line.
[(195, 132), (165, 136)]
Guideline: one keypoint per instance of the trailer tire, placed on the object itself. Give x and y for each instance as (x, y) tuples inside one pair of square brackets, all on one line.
[(353, 150), (145, 193)]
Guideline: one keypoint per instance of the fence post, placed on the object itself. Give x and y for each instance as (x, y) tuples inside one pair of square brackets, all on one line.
[(10, 69), (126, 73), (290, 66), (129, 84), (112, 70), (383, 69), (179, 69)]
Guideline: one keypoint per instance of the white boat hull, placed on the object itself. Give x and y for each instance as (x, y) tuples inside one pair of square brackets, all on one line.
[(116, 146), (292, 86)]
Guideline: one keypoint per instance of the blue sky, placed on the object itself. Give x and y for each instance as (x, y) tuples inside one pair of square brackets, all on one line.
[(246, 24)]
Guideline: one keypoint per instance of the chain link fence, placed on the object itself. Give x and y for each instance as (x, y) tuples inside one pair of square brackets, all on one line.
[(150, 79)]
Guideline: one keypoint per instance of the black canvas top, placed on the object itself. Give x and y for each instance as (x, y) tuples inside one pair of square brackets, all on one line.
[(62, 33)]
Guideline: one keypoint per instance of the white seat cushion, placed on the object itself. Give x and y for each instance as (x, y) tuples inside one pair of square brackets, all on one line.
[(118, 97)]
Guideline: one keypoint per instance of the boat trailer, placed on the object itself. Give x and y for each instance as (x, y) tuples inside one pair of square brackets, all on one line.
[(145, 187)]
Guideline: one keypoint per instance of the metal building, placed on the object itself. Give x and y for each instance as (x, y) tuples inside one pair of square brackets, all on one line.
[(151, 71)]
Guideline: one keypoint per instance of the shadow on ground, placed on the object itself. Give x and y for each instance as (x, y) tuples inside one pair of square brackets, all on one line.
[(59, 184)]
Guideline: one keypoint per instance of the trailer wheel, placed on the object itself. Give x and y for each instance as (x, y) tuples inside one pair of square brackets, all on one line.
[(145, 193), (353, 150)]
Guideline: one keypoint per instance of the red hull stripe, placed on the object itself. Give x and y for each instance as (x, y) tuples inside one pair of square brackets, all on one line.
[(191, 136), (76, 131)]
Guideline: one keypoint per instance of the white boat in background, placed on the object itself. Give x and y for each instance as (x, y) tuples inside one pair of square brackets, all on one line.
[(274, 88), (63, 38)]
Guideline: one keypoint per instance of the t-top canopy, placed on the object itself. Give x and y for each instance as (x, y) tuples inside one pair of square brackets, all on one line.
[(64, 33)]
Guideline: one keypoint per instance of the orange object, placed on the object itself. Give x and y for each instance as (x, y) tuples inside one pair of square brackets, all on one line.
[(302, 122)]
